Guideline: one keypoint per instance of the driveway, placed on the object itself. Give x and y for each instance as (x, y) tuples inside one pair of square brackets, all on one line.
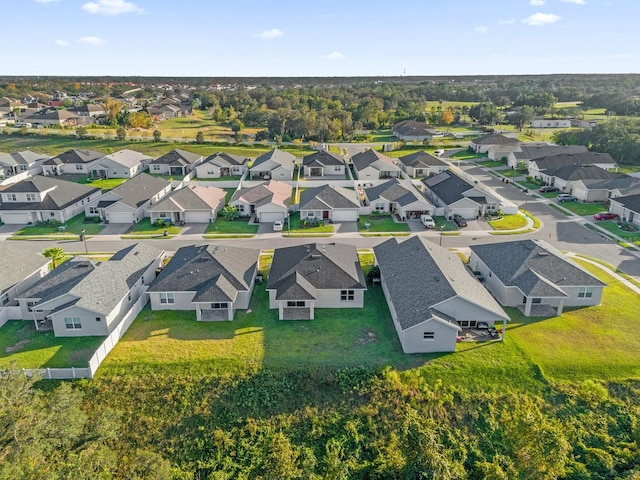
[(194, 229), (345, 227), (115, 229)]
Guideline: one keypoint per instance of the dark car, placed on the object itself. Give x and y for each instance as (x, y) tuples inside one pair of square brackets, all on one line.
[(459, 220), (605, 216), (548, 188)]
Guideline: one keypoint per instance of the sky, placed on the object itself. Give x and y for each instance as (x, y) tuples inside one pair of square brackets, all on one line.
[(301, 38)]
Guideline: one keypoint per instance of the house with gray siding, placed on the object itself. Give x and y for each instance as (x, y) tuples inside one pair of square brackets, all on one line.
[(398, 197), (82, 297), (222, 164), (329, 202), (431, 295), (274, 165), (422, 164), (531, 275), (628, 207), (15, 163), (213, 280), (75, 161), (176, 162), (323, 164), (528, 151), (121, 164), (483, 143), (373, 165), (539, 166), (269, 201), (306, 277)]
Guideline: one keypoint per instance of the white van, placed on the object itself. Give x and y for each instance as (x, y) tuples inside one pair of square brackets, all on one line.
[(438, 152)]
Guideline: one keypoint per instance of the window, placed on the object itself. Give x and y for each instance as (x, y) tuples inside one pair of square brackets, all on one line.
[(297, 303), (155, 168), (94, 211), (30, 304), (428, 336), (379, 207), (585, 292), (347, 295), (219, 305), (11, 197), (337, 168), (79, 166), (98, 319), (536, 300), (4, 299), (72, 323), (211, 172), (52, 214), (32, 197), (167, 298)]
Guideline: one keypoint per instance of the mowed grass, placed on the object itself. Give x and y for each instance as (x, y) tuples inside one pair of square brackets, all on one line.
[(584, 208), (612, 227), (381, 223), (104, 184), (297, 226), (222, 226), (509, 222), (145, 227), (21, 345), (74, 226)]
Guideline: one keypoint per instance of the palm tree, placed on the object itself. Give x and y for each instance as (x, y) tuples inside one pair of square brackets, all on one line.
[(55, 254)]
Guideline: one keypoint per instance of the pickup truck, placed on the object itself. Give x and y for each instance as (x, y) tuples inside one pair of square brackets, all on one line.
[(427, 221)]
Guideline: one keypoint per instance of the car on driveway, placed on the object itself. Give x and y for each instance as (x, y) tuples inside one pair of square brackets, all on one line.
[(277, 226), (427, 221), (548, 188), (605, 216), (459, 220), (565, 197)]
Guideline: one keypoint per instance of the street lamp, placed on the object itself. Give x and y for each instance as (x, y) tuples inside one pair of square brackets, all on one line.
[(83, 238), (441, 233)]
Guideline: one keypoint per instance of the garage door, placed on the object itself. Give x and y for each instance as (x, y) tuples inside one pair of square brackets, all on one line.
[(21, 218), (120, 217), (197, 217), (267, 217), (344, 215)]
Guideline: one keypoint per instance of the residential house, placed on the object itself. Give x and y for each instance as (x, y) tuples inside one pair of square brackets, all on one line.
[(54, 117), (130, 201), (19, 270), (306, 277), (533, 276), (431, 295), (176, 162), (121, 164), (329, 202), (213, 280), (579, 123), (275, 164), (501, 152), (222, 164), (323, 164), (565, 177), (191, 204), (40, 199), (399, 198), (628, 207), (528, 151), (602, 160), (78, 161), (483, 143), (86, 298), (422, 164), (412, 131), (269, 202), (373, 165), (590, 190), (15, 163), (457, 196), (89, 110), (547, 123)]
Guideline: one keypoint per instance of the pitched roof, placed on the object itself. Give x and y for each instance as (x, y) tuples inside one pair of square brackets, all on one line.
[(60, 115), (17, 263), (177, 157), (223, 159), (191, 197), (78, 156), (395, 191), (585, 158), (274, 159), (26, 157), (495, 139), (60, 193), (60, 280), (328, 197), (273, 191), (534, 267), (529, 152), (419, 275), (632, 202), (579, 171), (127, 158), (412, 128), (322, 159), (448, 186), (298, 272), (421, 159), (372, 158), (214, 272), (139, 189)]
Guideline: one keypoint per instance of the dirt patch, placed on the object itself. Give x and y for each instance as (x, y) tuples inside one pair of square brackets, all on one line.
[(80, 356), (17, 346), (367, 337)]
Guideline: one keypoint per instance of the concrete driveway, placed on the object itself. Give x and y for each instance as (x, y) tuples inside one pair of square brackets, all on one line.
[(115, 229)]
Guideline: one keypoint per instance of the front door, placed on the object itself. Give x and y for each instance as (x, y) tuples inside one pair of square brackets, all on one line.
[(252, 209), (325, 214)]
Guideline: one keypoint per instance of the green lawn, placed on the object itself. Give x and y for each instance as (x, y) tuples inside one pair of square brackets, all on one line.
[(490, 163), (509, 222), (529, 185), (145, 227), (549, 194), (465, 154), (21, 345), (74, 226), (381, 223), (511, 173), (104, 184), (584, 208), (449, 226), (297, 226), (221, 226), (612, 227), (234, 178)]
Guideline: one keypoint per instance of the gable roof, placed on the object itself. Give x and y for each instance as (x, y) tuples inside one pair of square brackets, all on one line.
[(624, 183), (328, 197), (447, 186), (495, 139), (304, 269), (394, 191), (59, 115), (60, 193), (632, 202), (419, 275), (374, 159), (77, 155), (17, 263), (60, 280), (127, 158), (213, 272), (25, 157), (322, 159), (191, 197), (273, 191), (223, 159), (412, 128), (529, 152), (584, 158), (579, 171), (421, 159), (534, 267), (177, 157), (274, 159), (136, 191)]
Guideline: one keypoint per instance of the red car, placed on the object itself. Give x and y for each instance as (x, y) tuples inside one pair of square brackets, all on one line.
[(605, 216)]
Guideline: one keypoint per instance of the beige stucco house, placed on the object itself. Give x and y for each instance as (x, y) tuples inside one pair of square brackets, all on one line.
[(269, 202), (190, 204)]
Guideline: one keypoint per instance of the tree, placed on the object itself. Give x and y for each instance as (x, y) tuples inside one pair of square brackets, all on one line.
[(522, 116), (485, 113), (230, 213), (140, 120), (157, 135), (447, 117), (82, 131), (56, 254), (112, 108), (236, 126), (200, 137), (121, 134)]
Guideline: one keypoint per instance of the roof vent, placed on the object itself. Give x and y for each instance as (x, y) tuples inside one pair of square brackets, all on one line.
[(543, 254)]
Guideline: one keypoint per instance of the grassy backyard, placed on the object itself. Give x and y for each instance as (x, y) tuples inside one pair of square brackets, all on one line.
[(73, 226), (381, 223)]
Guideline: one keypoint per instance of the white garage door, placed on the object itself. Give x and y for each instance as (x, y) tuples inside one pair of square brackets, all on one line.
[(120, 217), (267, 217), (197, 217), (344, 215), (21, 218)]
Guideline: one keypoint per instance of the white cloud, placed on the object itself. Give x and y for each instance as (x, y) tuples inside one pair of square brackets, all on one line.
[(481, 29), (538, 19), (511, 21), (111, 7), (537, 3), (93, 41), (62, 43), (334, 56), (577, 2), (270, 34)]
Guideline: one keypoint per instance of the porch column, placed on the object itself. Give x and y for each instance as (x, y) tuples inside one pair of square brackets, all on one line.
[(229, 311), (504, 329), (527, 307), (280, 311), (312, 309), (560, 306), (198, 313)]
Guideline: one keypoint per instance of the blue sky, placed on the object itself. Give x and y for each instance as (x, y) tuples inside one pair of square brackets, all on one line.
[(329, 38)]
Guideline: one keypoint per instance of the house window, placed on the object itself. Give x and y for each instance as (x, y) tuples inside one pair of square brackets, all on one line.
[(98, 319), (52, 214), (428, 336), (337, 168), (79, 167), (347, 295), (536, 300), (31, 303), (72, 323), (296, 303), (31, 197), (155, 168), (210, 172), (11, 197), (585, 292), (94, 211), (379, 207), (167, 298), (4, 299), (219, 305)]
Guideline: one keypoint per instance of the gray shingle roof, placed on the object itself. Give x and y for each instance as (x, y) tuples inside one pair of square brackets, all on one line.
[(216, 273), (274, 159), (60, 280), (374, 159), (419, 275), (60, 193), (273, 191), (580, 172), (304, 269), (139, 189), (534, 267), (624, 183), (177, 157), (17, 263), (191, 197), (393, 191), (322, 159), (421, 159), (447, 186), (26, 157), (128, 158), (328, 197), (585, 158), (77, 155), (495, 139), (529, 152), (223, 159), (632, 202)]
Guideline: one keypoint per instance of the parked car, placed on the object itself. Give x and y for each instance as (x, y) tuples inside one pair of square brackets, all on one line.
[(277, 226), (438, 152), (427, 221), (548, 188), (565, 197), (605, 216), (459, 220)]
